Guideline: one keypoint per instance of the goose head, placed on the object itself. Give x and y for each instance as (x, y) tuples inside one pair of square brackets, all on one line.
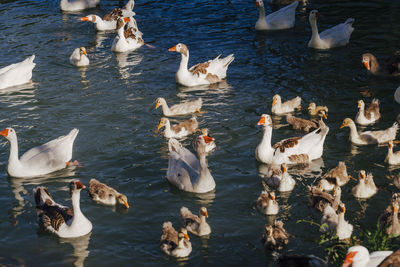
[(162, 123), (180, 48), (259, 4), (9, 134), (356, 254), (76, 186), (265, 120), (360, 104), (203, 212), (284, 168), (366, 60), (123, 200), (314, 15), (276, 99), (183, 234), (341, 208), (91, 18), (272, 195), (200, 143), (322, 114), (337, 191), (390, 144), (395, 207), (346, 123), (159, 102), (121, 22), (82, 51), (362, 175)]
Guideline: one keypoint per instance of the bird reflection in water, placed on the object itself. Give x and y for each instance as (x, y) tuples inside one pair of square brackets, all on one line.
[(80, 246), (126, 61)]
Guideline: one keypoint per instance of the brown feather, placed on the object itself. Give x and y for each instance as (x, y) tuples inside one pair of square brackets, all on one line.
[(393, 260), (199, 68), (113, 15), (287, 143)]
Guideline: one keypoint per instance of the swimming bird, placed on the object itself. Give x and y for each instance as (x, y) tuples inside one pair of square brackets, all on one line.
[(287, 183), (182, 129), (104, 194), (179, 109), (187, 172), (303, 124), (390, 67), (389, 219), (212, 71), (343, 228), (366, 187), (267, 204), (314, 110), (61, 220), (336, 176), (358, 256), (193, 223), (17, 73), (79, 57), (369, 115), (281, 19), (78, 5), (392, 158), (173, 243), (47, 158), (370, 137), (275, 237), (288, 106), (320, 199), (127, 39), (333, 37), (109, 21)]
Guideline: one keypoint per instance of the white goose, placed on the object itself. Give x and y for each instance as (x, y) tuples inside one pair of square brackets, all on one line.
[(193, 223), (281, 19), (212, 71), (292, 150), (179, 109), (369, 115), (366, 187), (333, 37), (129, 39), (392, 158), (109, 21), (79, 57), (287, 183), (288, 106), (187, 172), (343, 228), (17, 73), (60, 220), (370, 137), (180, 130), (359, 256), (52, 156), (77, 5)]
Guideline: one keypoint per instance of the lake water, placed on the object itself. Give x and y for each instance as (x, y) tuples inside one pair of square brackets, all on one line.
[(112, 104)]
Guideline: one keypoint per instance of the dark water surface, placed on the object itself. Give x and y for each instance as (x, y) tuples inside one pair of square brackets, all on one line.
[(112, 104)]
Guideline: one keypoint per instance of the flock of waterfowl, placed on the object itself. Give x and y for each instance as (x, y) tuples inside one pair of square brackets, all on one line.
[(189, 172)]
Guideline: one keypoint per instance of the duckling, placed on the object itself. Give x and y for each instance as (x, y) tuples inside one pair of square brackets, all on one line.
[(329, 219), (193, 223), (173, 243), (343, 228), (267, 204), (182, 129), (179, 109), (289, 106), (287, 183), (366, 187), (275, 236), (336, 176), (320, 199), (370, 137), (79, 57), (313, 109), (273, 175), (106, 195), (302, 124), (389, 219), (392, 158), (369, 115)]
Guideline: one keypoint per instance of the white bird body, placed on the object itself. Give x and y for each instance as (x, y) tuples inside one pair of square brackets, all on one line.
[(366, 187), (194, 224), (187, 172), (288, 106), (79, 57), (212, 71), (358, 256), (17, 73), (49, 157), (369, 115), (179, 109), (392, 158), (267, 204), (77, 5), (338, 35), (129, 39), (281, 19)]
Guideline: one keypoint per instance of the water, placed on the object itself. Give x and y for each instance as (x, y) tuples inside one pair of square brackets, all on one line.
[(112, 104)]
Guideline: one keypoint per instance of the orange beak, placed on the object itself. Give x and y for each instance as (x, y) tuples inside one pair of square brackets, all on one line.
[(342, 209), (272, 197), (261, 121), (208, 139), (284, 169), (159, 126), (4, 133), (256, 4), (157, 105), (324, 115), (84, 19), (341, 126), (206, 214), (172, 49), (186, 236), (79, 185), (362, 176), (366, 64), (349, 258), (359, 104), (274, 101), (127, 19), (126, 204)]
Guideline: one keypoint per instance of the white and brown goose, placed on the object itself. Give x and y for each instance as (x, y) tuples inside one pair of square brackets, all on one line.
[(180, 130), (193, 223), (60, 220), (359, 256), (275, 237), (389, 219), (109, 21), (279, 107), (390, 67), (315, 110), (336, 176), (106, 195), (366, 187), (173, 243), (212, 71), (369, 115), (179, 109), (392, 158), (303, 124), (127, 39), (267, 204), (79, 57)]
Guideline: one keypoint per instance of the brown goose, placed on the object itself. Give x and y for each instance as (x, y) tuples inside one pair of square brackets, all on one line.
[(315, 110), (182, 129), (193, 223), (336, 176), (389, 219), (173, 243), (390, 67), (320, 199), (303, 124), (275, 236), (267, 204), (106, 195)]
